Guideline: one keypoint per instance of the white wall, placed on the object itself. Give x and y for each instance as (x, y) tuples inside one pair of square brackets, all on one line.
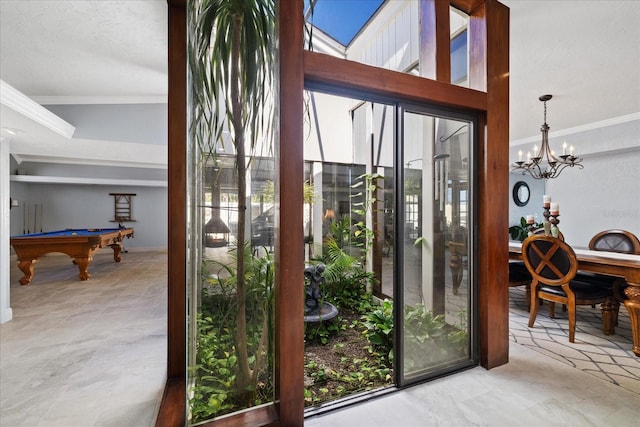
[(534, 207), (391, 40), (603, 195), (91, 206)]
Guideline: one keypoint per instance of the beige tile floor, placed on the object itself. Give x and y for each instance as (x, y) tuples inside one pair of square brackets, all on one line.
[(87, 353), (93, 354)]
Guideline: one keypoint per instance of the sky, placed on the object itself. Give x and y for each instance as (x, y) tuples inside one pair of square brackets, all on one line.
[(342, 19)]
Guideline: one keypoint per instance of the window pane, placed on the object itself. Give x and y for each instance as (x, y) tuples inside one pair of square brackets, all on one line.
[(231, 225), (380, 33), (436, 279)]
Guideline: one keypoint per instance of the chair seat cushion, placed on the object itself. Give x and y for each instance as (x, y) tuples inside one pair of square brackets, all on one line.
[(596, 279), (518, 272), (519, 276), (582, 290)]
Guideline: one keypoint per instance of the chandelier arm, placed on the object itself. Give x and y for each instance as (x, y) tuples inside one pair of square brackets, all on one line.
[(544, 157)]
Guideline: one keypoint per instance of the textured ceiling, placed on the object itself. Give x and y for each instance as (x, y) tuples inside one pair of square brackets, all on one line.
[(84, 48), (585, 53)]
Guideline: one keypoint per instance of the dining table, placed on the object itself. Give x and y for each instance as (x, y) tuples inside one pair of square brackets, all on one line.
[(612, 263)]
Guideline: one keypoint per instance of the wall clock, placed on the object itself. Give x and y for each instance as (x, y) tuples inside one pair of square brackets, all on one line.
[(521, 193)]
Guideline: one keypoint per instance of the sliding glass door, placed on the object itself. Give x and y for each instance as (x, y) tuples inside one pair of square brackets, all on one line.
[(434, 290)]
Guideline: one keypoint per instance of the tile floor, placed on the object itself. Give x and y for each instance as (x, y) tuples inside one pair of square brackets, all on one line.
[(103, 364), (88, 353)]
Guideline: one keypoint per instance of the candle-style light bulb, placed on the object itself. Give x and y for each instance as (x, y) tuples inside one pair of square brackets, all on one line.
[(535, 149), (564, 148), (520, 155), (571, 150), (528, 155)]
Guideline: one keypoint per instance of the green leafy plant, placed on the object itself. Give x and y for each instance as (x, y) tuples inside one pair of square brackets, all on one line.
[(429, 339), (379, 329), (231, 45), (521, 231), (346, 278), (214, 390), (321, 331), (369, 185)]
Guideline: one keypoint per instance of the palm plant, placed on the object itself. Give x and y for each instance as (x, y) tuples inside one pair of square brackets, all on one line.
[(231, 68)]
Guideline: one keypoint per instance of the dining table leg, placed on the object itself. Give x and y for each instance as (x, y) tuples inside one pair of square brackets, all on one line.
[(632, 302)]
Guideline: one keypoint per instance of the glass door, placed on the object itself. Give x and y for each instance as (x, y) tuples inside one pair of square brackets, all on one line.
[(434, 290)]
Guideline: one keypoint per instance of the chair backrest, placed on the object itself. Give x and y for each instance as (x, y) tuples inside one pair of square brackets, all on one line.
[(549, 260), (540, 230), (615, 241)]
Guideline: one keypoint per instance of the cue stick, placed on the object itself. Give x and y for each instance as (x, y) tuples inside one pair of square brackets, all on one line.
[(28, 218), (41, 209), (35, 216), (24, 219)]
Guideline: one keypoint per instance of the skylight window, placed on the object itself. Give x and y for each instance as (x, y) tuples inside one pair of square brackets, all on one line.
[(341, 19)]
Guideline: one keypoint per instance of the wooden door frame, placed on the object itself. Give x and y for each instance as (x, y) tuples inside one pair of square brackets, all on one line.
[(488, 96)]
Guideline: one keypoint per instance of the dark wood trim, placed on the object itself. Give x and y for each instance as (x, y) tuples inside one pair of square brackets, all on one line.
[(173, 406), (489, 70), (489, 64), (264, 416), (171, 412), (289, 253), (435, 40), (325, 69), (467, 6)]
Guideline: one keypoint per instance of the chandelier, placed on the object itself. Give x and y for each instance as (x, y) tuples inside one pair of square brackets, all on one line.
[(544, 164)]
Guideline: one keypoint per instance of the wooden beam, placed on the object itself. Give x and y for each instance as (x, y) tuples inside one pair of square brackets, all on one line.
[(324, 69), (435, 41), (467, 6), (289, 255), (173, 406), (489, 70)]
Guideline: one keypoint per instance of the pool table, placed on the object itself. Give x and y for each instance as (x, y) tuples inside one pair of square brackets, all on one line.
[(80, 244)]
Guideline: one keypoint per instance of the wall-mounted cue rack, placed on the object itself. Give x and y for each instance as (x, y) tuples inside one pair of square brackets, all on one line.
[(122, 207)]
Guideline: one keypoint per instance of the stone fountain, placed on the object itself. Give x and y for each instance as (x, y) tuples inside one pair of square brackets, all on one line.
[(316, 310)]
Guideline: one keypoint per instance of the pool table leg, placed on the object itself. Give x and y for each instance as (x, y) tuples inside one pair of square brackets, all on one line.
[(26, 266), (83, 267), (117, 248)]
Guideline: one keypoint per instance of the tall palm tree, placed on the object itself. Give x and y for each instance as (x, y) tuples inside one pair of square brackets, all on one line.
[(231, 63)]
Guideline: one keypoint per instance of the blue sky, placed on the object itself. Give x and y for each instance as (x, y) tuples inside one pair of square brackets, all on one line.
[(342, 19)]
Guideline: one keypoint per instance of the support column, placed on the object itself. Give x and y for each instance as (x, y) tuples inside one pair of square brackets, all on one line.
[(489, 71), (6, 313)]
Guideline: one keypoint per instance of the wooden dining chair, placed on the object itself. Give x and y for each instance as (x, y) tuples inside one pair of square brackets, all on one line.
[(553, 265), (620, 241), (518, 273)]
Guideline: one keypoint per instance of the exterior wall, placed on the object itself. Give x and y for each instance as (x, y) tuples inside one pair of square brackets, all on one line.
[(391, 39), (327, 130)]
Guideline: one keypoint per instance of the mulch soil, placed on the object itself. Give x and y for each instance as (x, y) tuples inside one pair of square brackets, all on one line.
[(341, 359)]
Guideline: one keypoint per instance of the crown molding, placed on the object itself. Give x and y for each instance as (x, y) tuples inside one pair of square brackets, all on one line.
[(582, 128), (40, 179), (100, 100), (19, 102), (33, 158)]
